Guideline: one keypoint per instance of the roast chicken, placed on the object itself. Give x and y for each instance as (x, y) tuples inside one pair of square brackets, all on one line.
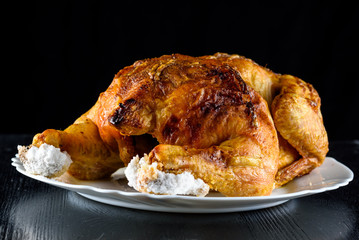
[(238, 126)]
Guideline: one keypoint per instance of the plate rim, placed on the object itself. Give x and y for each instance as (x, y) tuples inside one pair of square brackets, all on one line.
[(180, 209), (79, 187)]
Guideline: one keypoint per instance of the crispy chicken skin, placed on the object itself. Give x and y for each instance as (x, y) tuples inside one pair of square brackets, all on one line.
[(92, 157), (295, 108), (207, 120), (236, 125)]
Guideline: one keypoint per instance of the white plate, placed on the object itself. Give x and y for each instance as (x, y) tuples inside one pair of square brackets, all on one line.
[(331, 175)]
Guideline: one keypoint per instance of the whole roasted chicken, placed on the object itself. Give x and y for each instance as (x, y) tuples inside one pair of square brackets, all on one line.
[(239, 127)]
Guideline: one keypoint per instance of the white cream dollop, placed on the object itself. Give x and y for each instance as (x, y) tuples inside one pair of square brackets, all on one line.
[(147, 178), (47, 160)]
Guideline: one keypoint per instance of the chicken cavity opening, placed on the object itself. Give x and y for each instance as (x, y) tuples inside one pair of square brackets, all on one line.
[(144, 143)]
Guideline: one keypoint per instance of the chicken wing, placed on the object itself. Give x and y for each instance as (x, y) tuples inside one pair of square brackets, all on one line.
[(297, 116)]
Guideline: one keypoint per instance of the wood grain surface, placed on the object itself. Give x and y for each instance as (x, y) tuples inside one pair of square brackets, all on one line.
[(35, 210)]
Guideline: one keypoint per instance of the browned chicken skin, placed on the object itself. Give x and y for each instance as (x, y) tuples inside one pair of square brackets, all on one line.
[(210, 116)]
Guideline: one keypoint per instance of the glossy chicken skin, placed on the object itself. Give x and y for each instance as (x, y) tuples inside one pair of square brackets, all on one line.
[(295, 107), (297, 116), (210, 116), (92, 157), (207, 120)]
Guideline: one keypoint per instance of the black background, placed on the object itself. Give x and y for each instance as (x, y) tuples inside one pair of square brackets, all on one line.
[(62, 54)]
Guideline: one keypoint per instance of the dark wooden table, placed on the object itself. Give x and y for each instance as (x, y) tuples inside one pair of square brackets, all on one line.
[(35, 210)]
